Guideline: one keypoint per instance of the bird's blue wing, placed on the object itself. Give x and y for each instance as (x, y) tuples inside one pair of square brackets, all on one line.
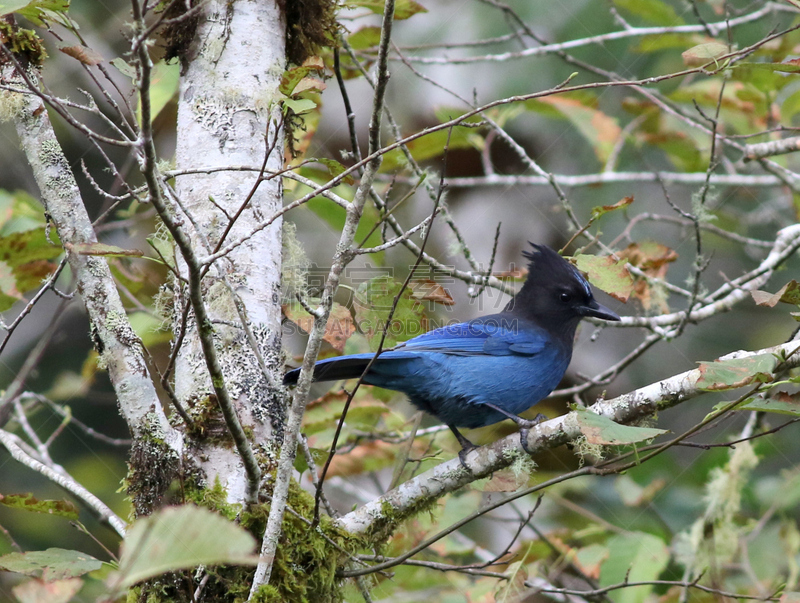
[(481, 337)]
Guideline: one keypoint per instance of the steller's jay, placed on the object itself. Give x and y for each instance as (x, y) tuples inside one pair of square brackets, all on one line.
[(476, 373)]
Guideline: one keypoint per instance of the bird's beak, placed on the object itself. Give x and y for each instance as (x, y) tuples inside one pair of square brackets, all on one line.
[(597, 311)]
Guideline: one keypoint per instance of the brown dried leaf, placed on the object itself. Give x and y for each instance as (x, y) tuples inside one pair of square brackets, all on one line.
[(505, 481), (310, 84), (429, 290), (765, 298), (788, 294), (338, 330), (653, 259), (604, 209), (85, 55), (517, 274)]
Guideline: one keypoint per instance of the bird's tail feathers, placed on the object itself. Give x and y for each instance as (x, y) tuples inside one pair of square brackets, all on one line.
[(334, 369)]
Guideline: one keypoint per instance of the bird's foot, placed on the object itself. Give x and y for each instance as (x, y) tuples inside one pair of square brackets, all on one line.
[(466, 447), (462, 455), (525, 428), (530, 423)]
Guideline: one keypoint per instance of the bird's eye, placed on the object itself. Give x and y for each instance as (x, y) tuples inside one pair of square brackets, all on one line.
[(565, 297)]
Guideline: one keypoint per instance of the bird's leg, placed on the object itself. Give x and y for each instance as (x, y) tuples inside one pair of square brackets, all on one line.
[(466, 446), (525, 425)]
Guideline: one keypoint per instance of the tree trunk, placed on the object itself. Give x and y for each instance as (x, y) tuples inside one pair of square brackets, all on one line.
[(227, 116)]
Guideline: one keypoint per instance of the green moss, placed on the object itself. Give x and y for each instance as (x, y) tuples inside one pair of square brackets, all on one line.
[(390, 518), (307, 559), (214, 498), (208, 424), (267, 594), (24, 43), (310, 25), (178, 35), (152, 469)]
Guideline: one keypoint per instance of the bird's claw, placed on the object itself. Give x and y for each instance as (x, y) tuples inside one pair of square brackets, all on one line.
[(523, 439), (531, 423), (462, 455), (525, 428)]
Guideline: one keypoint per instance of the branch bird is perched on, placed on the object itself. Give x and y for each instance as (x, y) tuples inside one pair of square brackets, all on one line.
[(476, 373)]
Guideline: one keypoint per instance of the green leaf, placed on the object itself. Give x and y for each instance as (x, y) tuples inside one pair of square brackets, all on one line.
[(706, 93), (299, 105), (599, 129), (590, 558), (364, 413), (429, 146), (149, 328), (52, 564), (605, 432), (19, 212), (124, 68), (163, 87), (667, 41), (760, 88), (654, 11), (781, 403), (35, 10), (790, 107), (24, 263), (335, 168), (20, 248), (788, 67), (165, 250), (28, 502), (737, 372), (178, 538), (601, 210), (607, 274), (790, 293), (373, 301), (403, 9), (635, 557), (366, 37), (681, 149), (704, 53), (12, 6)]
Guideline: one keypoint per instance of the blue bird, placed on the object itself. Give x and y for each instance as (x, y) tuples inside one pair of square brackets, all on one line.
[(480, 372)]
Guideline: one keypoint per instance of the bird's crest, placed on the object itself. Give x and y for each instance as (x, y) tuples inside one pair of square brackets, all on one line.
[(546, 263)]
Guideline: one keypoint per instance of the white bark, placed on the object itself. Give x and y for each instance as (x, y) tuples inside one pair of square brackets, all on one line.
[(226, 97)]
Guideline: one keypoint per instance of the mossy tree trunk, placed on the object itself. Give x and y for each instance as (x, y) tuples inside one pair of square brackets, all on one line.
[(228, 115)]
